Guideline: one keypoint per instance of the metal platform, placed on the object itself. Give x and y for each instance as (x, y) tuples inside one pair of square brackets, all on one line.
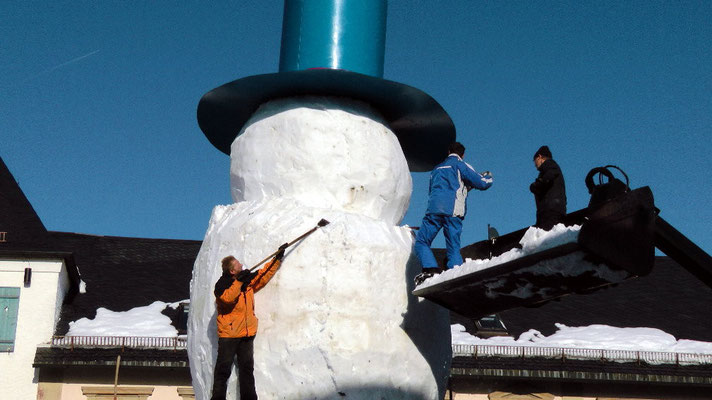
[(616, 242)]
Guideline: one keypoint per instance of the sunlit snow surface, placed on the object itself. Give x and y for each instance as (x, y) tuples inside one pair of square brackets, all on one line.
[(325, 153), (139, 321), (590, 337), (534, 240)]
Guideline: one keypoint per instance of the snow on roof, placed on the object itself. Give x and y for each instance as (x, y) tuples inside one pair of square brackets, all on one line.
[(146, 321), (534, 240), (590, 337)]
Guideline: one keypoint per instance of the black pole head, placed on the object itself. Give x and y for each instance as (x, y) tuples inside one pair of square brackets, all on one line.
[(323, 222)]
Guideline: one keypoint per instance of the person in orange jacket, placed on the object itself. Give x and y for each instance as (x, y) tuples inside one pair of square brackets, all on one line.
[(237, 323)]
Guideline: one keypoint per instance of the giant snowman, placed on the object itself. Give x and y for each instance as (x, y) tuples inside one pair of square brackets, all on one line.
[(337, 320)]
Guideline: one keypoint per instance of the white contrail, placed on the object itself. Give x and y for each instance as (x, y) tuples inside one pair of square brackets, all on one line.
[(72, 61), (48, 70)]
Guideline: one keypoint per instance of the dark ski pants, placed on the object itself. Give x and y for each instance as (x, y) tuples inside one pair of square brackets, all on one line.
[(228, 349), (547, 219), (429, 228)]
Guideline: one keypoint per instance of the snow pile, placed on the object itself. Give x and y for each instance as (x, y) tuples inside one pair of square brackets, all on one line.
[(533, 241), (590, 337), (338, 318), (139, 321)]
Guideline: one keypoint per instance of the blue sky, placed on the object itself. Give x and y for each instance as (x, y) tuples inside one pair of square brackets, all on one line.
[(98, 105)]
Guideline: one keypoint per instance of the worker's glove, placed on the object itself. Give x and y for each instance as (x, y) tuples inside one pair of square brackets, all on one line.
[(280, 252), (487, 174), (244, 275)]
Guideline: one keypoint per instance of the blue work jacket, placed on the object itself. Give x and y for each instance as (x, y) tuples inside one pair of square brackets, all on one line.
[(449, 183)]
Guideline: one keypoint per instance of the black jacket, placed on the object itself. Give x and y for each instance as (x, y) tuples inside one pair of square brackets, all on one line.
[(549, 190), (223, 284)]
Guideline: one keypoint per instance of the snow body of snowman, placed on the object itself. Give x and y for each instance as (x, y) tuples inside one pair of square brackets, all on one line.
[(325, 137), (337, 320)]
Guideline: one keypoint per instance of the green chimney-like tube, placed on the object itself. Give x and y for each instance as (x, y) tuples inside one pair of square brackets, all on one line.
[(336, 34)]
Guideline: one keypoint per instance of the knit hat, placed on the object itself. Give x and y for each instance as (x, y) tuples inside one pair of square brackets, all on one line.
[(543, 151)]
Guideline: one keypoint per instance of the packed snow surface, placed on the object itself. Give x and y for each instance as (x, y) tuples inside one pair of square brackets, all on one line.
[(533, 241), (325, 153)]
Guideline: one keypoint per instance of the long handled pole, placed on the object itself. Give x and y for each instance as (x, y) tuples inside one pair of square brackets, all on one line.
[(320, 224), (116, 375)]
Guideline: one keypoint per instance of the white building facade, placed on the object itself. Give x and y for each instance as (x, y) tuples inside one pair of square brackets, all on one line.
[(32, 290)]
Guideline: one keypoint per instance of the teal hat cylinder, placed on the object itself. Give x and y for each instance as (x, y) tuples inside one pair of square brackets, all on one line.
[(342, 34)]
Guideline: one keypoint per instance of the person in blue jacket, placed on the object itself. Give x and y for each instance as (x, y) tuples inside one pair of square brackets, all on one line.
[(450, 181)]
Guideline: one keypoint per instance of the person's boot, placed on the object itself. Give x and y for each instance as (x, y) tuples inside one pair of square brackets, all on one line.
[(427, 273)]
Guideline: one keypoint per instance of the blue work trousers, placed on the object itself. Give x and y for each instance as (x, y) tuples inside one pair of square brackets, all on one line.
[(429, 228)]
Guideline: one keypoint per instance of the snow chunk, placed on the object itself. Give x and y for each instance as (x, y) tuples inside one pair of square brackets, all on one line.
[(322, 152)]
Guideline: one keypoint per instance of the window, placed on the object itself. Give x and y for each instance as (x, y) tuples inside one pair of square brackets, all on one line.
[(122, 392), (490, 326), (9, 303)]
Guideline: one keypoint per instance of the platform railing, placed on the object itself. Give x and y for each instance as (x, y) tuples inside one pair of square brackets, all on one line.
[(138, 342), (648, 357)]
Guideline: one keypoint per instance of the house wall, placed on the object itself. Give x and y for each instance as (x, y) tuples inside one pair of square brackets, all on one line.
[(37, 316), (78, 382), (484, 388), (76, 392)]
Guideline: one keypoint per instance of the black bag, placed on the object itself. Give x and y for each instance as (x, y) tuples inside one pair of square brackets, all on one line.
[(604, 191)]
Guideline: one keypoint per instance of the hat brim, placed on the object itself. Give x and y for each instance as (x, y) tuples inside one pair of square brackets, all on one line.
[(422, 126)]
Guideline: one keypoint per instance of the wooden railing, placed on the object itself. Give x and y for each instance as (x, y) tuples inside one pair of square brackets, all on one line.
[(147, 342), (648, 357)]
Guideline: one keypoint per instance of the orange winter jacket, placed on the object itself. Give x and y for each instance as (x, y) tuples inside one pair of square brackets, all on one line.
[(236, 309)]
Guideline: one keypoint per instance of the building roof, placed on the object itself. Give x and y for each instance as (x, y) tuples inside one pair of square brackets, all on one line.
[(122, 273), (669, 298), (589, 378), (18, 218), (119, 273), (133, 357), (581, 370)]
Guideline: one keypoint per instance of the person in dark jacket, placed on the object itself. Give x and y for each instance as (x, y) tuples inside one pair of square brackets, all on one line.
[(549, 190), (450, 181), (237, 323)]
